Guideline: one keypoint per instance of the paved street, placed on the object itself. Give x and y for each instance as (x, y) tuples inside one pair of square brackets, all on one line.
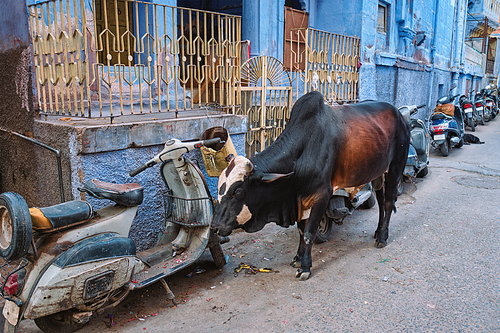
[(439, 273)]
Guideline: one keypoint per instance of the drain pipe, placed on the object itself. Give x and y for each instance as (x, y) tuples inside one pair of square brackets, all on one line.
[(55, 151), (430, 103)]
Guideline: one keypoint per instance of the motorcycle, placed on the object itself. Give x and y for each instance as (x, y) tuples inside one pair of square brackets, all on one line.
[(342, 203), (65, 262), (469, 110), (490, 102), (480, 108), (447, 126), (418, 153)]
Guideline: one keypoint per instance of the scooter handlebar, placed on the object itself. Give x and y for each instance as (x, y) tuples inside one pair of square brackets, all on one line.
[(211, 142), (421, 106), (140, 169)]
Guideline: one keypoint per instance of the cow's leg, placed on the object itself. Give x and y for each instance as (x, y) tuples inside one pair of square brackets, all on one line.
[(390, 198), (297, 260), (317, 211), (381, 210)]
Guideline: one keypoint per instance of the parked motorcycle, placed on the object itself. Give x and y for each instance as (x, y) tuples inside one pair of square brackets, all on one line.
[(418, 153), (490, 102), (66, 262), (341, 204), (480, 108), (469, 112), (447, 126)]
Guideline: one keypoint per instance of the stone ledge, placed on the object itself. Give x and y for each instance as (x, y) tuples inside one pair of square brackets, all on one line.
[(94, 138)]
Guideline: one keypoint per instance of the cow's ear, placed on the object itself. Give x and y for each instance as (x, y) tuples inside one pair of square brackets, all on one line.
[(271, 177)]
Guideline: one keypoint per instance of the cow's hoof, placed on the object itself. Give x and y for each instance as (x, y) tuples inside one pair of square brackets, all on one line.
[(296, 263), (379, 244), (302, 275)]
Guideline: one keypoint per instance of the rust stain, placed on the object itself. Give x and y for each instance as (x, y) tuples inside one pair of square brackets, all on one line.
[(59, 248)]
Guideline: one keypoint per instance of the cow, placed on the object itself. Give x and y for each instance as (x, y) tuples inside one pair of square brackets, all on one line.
[(322, 148)]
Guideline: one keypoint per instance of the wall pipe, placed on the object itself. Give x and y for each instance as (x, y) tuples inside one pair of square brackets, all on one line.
[(58, 158)]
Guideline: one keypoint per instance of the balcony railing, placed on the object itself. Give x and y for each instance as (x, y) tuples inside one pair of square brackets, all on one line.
[(473, 56), (106, 58), (325, 62)]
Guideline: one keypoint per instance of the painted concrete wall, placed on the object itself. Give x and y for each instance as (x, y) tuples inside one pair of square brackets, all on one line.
[(263, 25), (16, 107)]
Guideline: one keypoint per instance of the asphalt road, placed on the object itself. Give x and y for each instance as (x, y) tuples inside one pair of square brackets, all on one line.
[(439, 273)]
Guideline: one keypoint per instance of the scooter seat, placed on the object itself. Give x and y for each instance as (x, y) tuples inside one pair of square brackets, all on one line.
[(123, 194), (61, 215)]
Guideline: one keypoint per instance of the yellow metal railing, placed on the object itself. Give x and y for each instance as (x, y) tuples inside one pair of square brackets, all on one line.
[(104, 58), (325, 62)]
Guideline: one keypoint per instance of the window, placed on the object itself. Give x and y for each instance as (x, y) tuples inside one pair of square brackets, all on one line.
[(382, 19)]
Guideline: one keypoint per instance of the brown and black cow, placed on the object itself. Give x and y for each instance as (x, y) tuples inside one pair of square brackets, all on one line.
[(323, 148)]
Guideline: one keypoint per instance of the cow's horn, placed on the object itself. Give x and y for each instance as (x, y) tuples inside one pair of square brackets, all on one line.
[(271, 177), (249, 167)]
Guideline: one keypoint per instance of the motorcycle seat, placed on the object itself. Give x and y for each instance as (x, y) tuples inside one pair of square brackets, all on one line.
[(62, 215), (439, 116), (122, 194)]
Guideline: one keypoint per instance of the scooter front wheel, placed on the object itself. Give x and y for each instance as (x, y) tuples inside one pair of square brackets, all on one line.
[(218, 255)]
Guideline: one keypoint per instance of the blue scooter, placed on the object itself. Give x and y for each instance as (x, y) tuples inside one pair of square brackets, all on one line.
[(447, 131)]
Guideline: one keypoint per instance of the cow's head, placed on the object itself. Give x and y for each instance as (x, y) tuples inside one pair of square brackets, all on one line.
[(239, 197)]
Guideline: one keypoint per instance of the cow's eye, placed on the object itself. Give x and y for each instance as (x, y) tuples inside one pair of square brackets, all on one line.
[(238, 191)]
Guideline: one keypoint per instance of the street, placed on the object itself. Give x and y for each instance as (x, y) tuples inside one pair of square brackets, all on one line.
[(439, 272)]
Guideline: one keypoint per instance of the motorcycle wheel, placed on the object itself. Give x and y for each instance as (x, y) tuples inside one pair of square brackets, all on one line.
[(481, 121), (369, 203), (58, 323), (422, 173), (218, 255), (15, 226), (445, 148), (400, 186), (460, 143), (324, 230), (472, 125)]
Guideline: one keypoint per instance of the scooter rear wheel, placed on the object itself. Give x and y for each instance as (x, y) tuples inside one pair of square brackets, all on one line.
[(422, 173), (15, 226), (58, 323), (324, 230), (370, 202), (445, 148)]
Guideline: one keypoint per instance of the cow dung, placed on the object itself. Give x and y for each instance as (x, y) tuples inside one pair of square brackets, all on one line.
[(479, 181)]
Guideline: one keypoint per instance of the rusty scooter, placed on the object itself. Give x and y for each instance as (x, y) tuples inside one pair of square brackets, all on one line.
[(63, 263)]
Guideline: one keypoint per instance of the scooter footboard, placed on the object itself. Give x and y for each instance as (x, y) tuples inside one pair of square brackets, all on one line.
[(84, 275)]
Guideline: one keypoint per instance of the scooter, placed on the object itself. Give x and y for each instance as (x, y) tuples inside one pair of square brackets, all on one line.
[(65, 262), (447, 130), (469, 111), (342, 203), (418, 154)]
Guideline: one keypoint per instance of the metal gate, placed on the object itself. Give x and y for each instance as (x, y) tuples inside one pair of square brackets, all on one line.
[(266, 93)]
